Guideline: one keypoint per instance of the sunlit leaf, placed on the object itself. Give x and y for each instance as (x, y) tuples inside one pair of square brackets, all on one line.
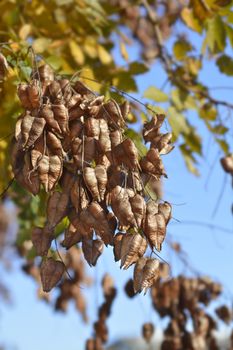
[(216, 34), (181, 48), (155, 94), (225, 64), (76, 52)]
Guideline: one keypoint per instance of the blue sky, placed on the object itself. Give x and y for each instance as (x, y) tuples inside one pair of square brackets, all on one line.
[(29, 324)]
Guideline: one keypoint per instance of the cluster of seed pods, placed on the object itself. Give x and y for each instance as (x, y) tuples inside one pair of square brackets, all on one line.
[(72, 143)]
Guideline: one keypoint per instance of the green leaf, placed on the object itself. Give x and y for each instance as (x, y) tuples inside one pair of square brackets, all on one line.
[(229, 31), (217, 129), (178, 122), (55, 62), (224, 145), (190, 161), (155, 94), (136, 68), (41, 44), (216, 34), (225, 64), (208, 112), (181, 48)]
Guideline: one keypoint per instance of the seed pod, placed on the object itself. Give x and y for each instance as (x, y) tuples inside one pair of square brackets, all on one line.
[(34, 93), (151, 129), (94, 344), (166, 210), (22, 92), (154, 226), (102, 179), (101, 225), (57, 207), (104, 138), (90, 179), (148, 331), (125, 107), (32, 128), (24, 173), (117, 242), (121, 207), (66, 90), (45, 73), (138, 208), (51, 272), (146, 272), (43, 172), (62, 117), (36, 156), (55, 91), (72, 236), (92, 249), (133, 247), (92, 128), (54, 144), (138, 274), (115, 137), (47, 113), (126, 153), (152, 163), (42, 239), (3, 66), (18, 128), (163, 143), (113, 114), (82, 89), (227, 164), (55, 171), (78, 195)]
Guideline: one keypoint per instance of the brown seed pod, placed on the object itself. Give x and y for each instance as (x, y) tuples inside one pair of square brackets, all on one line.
[(18, 128), (138, 205), (90, 179), (42, 239), (36, 126), (57, 208), (112, 114), (126, 153), (62, 117), (55, 92), (154, 226), (51, 272), (43, 172), (104, 142), (129, 290), (22, 92), (125, 108), (152, 163), (55, 171), (74, 101), (82, 89), (3, 66), (94, 344), (78, 195), (34, 93), (54, 144), (92, 128), (117, 243), (133, 246), (121, 207), (146, 272), (148, 331), (163, 143), (101, 225), (44, 73), (66, 90), (166, 210), (47, 113), (151, 129), (72, 236), (227, 164), (102, 179), (25, 175), (116, 138), (92, 249)]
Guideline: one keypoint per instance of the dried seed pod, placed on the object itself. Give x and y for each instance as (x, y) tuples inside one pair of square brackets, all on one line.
[(129, 290), (47, 113), (31, 128), (75, 100), (101, 330), (18, 128), (57, 207), (107, 285), (42, 239), (34, 93), (126, 153), (25, 175), (125, 108), (43, 172), (102, 179), (227, 164), (166, 210), (152, 163), (224, 313), (115, 137), (101, 225), (62, 117), (22, 92), (90, 179), (55, 171), (78, 195), (92, 249), (146, 272), (94, 344), (133, 246), (45, 72), (121, 207), (148, 331), (54, 144), (92, 128), (138, 205), (3, 66), (36, 156), (163, 143), (55, 91), (113, 114), (138, 274), (104, 142), (72, 236), (51, 272), (117, 243), (151, 129), (66, 90), (82, 89)]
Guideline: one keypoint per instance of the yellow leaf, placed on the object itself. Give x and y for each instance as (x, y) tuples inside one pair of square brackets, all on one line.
[(86, 74), (89, 47), (104, 55), (41, 44), (124, 52), (24, 31), (76, 53), (190, 20)]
